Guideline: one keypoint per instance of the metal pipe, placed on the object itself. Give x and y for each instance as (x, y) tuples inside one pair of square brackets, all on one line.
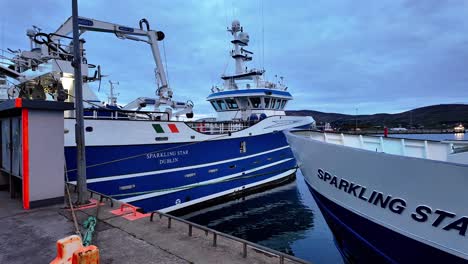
[(79, 126), (215, 236), (157, 58)]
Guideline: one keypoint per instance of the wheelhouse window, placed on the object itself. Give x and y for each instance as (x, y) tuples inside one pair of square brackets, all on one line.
[(283, 104), (267, 102), (215, 105), (221, 104), (255, 102), (272, 104), (232, 104), (277, 104)]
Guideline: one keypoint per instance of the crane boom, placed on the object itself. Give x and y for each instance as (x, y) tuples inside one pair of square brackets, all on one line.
[(124, 32)]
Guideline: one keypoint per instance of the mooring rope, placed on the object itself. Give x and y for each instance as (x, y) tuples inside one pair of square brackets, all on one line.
[(75, 221)]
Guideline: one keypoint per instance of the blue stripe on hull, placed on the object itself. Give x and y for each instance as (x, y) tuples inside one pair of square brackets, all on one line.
[(363, 241)]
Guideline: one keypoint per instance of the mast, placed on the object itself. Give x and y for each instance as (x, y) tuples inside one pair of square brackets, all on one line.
[(241, 39)]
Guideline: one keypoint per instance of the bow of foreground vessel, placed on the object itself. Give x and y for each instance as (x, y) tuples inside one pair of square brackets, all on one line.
[(388, 200)]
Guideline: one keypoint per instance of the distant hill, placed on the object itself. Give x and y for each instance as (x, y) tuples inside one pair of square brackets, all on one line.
[(434, 116)]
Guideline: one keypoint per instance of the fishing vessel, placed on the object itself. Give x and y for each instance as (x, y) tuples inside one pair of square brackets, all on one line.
[(152, 159), (388, 200)]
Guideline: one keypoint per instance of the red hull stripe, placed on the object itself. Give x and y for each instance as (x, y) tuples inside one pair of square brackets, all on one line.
[(173, 128), (25, 150)]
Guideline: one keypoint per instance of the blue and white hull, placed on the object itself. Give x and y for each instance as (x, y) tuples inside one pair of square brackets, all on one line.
[(388, 200), (173, 166)]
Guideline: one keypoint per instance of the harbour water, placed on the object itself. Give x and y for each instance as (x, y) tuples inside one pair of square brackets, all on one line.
[(286, 219)]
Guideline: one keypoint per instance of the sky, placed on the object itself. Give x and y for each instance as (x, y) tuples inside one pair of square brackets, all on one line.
[(335, 55)]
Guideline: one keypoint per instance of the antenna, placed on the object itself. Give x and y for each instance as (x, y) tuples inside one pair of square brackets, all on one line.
[(2, 29), (263, 38), (112, 98)]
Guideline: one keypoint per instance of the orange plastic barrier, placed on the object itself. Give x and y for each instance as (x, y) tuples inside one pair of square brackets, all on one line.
[(86, 255), (65, 248)]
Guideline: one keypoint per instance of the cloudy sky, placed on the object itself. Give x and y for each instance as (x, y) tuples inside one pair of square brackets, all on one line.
[(335, 55)]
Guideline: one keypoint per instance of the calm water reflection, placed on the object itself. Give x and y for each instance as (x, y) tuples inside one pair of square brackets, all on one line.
[(285, 218)]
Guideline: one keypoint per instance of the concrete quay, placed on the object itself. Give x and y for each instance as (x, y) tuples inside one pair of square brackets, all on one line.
[(29, 236)]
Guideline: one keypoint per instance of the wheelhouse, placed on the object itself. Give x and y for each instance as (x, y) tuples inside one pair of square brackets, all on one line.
[(254, 102), (242, 104)]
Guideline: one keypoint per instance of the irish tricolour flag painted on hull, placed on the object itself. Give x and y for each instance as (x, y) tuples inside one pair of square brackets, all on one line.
[(165, 128)]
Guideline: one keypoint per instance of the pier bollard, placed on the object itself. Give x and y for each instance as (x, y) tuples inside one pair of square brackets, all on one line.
[(65, 248), (244, 253), (86, 255)]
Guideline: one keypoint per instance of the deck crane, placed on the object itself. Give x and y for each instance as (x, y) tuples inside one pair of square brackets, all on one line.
[(164, 92), (48, 47)]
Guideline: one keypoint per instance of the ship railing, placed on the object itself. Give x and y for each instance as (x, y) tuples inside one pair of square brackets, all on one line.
[(215, 234), (219, 127), (282, 257), (125, 114)]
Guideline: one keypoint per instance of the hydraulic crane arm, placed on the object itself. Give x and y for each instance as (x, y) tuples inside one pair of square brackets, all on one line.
[(99, 26), (87, 24)]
